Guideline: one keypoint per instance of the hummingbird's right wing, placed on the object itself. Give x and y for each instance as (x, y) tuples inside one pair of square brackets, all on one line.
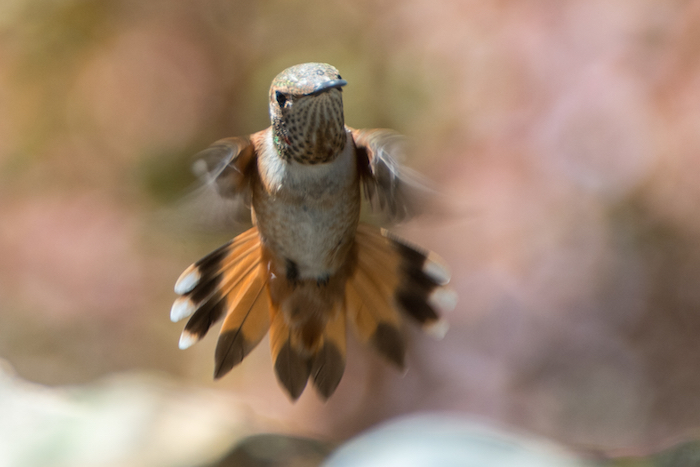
[(221, 202), (226, 166), (395, 192)]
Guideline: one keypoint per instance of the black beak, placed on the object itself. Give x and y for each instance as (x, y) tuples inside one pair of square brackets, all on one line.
[(326, 85)]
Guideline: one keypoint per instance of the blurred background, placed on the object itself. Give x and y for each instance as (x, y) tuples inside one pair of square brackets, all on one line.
[(565, 136)]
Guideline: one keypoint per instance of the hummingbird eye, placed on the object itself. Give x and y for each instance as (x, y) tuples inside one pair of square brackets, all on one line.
[(280, 98)]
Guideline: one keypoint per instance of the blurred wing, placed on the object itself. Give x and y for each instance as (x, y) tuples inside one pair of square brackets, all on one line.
[(395, 193), (221, 202), (226, 165)]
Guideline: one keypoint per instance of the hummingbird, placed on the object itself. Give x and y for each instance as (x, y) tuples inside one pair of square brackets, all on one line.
[(308, 267)]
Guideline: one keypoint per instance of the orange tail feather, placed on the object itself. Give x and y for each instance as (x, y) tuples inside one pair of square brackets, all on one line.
[(383, 279)]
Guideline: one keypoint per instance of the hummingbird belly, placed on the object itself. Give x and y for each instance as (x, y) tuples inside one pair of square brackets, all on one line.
[(313, 239), (307, 215)]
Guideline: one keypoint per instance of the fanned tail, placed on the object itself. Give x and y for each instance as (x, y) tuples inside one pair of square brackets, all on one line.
[(392, 276), (383, 278), (229, 282)]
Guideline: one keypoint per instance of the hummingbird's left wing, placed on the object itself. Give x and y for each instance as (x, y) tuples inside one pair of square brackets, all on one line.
[(394, 192)]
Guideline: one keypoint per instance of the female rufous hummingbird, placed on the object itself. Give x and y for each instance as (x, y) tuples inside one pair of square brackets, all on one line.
[(309, 266)]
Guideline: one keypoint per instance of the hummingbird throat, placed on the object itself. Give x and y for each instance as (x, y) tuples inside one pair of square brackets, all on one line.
[(313, 131)]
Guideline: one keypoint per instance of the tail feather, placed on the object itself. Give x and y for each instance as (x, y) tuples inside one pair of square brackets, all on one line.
[(328, 363), (193, 275), (292, 366), (212, 309), (391, 274), (375, 319), (200, 281), (228, 267), (422, 278), (247, 321), (212, 283)]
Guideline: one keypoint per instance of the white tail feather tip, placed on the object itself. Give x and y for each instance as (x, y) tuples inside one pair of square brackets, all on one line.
[(187, 340), (438, 329), (187, 281), (443, 300), (181, 309), (435, 268)]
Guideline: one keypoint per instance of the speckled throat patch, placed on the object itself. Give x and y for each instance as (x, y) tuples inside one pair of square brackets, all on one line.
[(313, 130)]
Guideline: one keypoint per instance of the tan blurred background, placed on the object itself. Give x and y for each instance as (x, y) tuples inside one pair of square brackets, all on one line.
[(566, 135)]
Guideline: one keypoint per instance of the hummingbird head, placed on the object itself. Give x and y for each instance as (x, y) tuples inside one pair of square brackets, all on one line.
[(306, 109)]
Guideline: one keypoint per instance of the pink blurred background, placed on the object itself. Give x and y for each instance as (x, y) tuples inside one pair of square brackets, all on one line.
[(565, 135)]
